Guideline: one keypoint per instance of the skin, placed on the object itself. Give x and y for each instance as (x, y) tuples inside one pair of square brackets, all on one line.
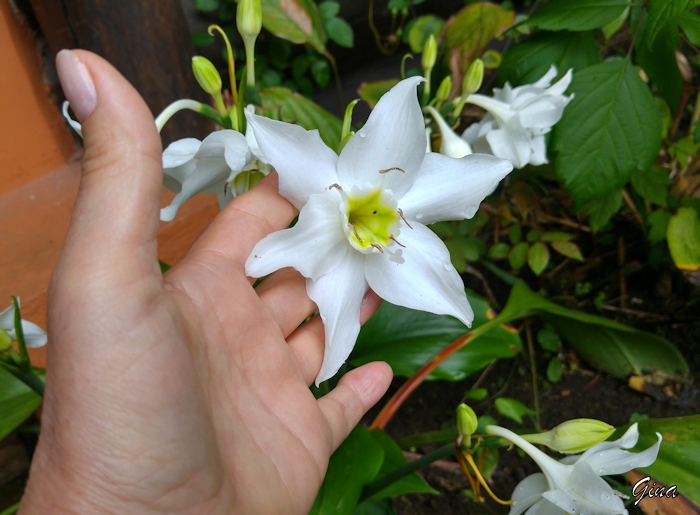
[(188, 392)]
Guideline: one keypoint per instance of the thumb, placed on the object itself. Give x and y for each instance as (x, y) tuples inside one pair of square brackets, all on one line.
[(116, 211)]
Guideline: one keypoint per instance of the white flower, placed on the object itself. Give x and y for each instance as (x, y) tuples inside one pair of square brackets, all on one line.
[(574, 483), (34, 336), (451, 145), (518, 119), (363, 216)]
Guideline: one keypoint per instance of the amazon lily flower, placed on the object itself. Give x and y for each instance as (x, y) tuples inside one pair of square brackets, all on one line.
[(574, 483), (518, 118), (451, 145), (363, 216), (34, 336)]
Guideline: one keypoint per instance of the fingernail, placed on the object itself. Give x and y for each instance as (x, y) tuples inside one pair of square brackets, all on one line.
[(77, 84)]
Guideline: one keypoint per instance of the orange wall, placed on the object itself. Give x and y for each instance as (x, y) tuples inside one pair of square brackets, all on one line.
[(33, 137)]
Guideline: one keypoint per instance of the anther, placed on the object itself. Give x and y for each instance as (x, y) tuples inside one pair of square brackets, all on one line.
[(376, 246), (387, 170), (404, 219), (336, 186), (355, 231), (391, 237), (225, 187)]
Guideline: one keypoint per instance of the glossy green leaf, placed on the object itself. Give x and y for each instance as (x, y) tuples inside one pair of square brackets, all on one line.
[(652, 185), (17, 402), (512, 409), (353, 465), (657, 222), (538, 257), (678, 462), (406, 339), (577, 15), (298, 21), (517, 257), (600, 211), (371, 92), (422, 29), (663, 12), (393, 460), (568, 249), (683, 236), (610, 129), (528, 61), (295, 108), (611, 28), (341, 32)]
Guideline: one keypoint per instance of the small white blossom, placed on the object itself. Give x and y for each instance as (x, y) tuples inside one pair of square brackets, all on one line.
[(34, 336), (518, 118), (451, 145)]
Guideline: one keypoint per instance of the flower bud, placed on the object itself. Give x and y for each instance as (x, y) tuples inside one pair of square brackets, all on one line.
[(443, 90), (573, 436), (249, 18), (429, 54), (5, 340), (473, 79), (206, 74), (466, 421)]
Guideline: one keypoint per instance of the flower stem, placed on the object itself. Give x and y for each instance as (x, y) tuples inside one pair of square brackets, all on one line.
[(533, 370), (186, 103)]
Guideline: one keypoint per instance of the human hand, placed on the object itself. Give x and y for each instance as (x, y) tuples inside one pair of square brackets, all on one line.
[(182, 393)]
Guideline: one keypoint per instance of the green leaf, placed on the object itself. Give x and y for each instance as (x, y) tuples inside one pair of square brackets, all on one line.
[(517, 257), (353, 465), (200, 39), (294, 108), (659, 60), (422, 29), (341, 32), (298, 21), (658, 224), (499, 250), (207, 6), (678, 462), (577, 15), (528, 61), (601, 211), (610, 129), (555, 236), (652, 185), (476, 394), (554, 370), (683, 236), (406, 339), (612, 347), (665, 114), (661, 12), (393, 460), (548, 338), (375, 507), (538, 257), (515, 234), (321, 72), (457, 257), (371, 92), (690, 23), (328, 10), (17, 402), (512, 409), (611, 28), (568, 249), (533, 236), (475, 25)]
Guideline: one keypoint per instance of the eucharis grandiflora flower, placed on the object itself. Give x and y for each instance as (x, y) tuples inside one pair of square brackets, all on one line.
[(363, 216), (451, 145), (574, 484), (225, 162), (518, 118), (34, 336)]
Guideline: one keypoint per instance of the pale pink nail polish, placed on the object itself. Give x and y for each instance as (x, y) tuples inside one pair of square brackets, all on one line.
[(77, 84)]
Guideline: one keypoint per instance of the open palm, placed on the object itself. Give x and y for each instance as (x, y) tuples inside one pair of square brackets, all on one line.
[(183, 393)]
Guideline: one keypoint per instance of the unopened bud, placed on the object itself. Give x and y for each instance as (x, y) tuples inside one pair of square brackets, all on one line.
[(573, 436), (206, 74), (249, 18), (429, 54), (444, 89), (473, 79), (466, 421), (5, 340)]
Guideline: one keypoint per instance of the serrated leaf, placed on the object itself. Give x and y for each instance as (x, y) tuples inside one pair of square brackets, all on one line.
[(601, 211), (538, 257), (298, 21), (512, 409), (406, 339), (661, 12), (577, 15), (652, 185), (610, 129), (517, 257), (294, 108), (568, 249), (352, 466), (683, 235), (528, 61), (422, 29), (371, 92), (17, 402), (341, 32), (658, 224)]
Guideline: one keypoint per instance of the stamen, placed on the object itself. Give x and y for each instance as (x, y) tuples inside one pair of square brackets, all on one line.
[(470, 460), (336, 186), (225, 187), (387, 170), (377, 246), (404, 219), (391, 237), (355, 231)]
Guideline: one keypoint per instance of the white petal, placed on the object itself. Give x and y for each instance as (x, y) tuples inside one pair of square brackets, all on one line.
[(303, 161), (338, 296), (452, 189), (546, 79), (500, 110), (618, 461), (392, 138), (425, 281), (512, 144), (209, 176), (451, 145), (539, 151), (34, 336), (228, 146), (562, 84), (544, 507), (527, 493), (180, 151), (75, 125), (315, 246), (7, 318), (587, 494)]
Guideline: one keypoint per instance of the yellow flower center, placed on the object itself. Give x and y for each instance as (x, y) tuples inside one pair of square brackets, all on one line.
[(372, 221)]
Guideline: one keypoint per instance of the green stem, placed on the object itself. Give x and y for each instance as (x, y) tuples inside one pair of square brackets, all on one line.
[(250, 61), (533, 370), (30, 378), (11, 510), (380, 484), (186, 103)]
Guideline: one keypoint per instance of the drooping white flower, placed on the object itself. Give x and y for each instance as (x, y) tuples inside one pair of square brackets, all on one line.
[(34, 336), (574, 483), (451, 145), (518, 118), (363, 216)]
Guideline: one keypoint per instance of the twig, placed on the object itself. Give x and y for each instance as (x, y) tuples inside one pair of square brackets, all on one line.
[(564, 221), (630, 204), (635, 312), (487, 289)]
